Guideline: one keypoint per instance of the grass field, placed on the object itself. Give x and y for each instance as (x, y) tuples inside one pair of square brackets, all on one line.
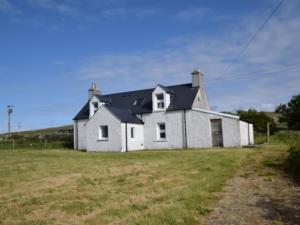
[(150, 187)]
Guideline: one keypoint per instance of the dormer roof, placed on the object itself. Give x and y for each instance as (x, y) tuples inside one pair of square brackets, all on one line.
[(166, 89)]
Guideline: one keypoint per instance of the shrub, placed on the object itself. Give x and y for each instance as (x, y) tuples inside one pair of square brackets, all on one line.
[(288, 137), (293, 159)]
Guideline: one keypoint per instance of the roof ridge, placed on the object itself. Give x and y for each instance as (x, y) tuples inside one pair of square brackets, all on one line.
[(147, 89)]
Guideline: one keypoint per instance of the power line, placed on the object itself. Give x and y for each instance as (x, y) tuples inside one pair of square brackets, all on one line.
[(251, 39), (258, 72)]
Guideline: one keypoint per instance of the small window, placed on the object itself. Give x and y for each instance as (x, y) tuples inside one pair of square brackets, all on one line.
[(160, 101), (161, 131), (132, 132), (103, 132), (95, 104)]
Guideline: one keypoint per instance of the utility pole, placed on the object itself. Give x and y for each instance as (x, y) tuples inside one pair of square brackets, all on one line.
[(268, 131), (9, 111)]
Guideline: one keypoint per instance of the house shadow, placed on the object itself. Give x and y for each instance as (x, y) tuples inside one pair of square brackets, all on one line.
[(285, 210)]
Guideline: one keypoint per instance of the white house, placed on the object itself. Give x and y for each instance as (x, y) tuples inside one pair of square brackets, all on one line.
[(164, 117)]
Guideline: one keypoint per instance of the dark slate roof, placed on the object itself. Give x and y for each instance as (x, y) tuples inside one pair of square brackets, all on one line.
[(124, 115), (183, 96), (83, 113), (168, 90)]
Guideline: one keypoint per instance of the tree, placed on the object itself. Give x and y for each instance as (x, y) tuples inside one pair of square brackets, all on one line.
[(281, 108), (291, 113), (258, 119)]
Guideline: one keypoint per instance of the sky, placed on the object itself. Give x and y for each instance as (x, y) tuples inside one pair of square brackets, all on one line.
[(52, 50)]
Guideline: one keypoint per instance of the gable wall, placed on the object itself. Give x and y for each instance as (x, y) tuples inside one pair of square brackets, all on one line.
[(104, 117), (200, 100)]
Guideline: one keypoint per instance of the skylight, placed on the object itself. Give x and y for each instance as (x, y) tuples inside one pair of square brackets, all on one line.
[(138, 102)]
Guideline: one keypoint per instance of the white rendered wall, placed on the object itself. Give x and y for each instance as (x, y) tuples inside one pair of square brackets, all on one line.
[(246, 130), (104, 117), (174, 129), (199, 129), (80, 137), (136, 143)]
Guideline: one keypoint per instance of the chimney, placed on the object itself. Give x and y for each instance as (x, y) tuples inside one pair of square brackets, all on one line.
[(93, 91), (197, 78)]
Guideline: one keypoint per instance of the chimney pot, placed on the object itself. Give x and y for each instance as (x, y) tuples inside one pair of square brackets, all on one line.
[(93, 91)]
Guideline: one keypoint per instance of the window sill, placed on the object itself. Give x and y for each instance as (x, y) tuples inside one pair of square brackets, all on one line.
[(103, 139), (161, 140), (159, 110)]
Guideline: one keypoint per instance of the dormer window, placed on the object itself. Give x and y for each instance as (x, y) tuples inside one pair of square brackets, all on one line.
[(160, 101)]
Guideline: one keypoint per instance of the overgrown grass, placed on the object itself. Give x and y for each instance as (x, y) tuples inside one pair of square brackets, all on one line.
[(282, 137), (150, 187)]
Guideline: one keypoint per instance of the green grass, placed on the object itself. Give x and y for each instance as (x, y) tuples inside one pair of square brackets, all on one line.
[(149, 187)]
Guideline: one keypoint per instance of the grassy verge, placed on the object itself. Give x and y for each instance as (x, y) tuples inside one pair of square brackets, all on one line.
[(151, 187)]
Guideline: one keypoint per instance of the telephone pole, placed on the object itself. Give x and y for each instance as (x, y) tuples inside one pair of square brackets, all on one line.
[(9, 111)]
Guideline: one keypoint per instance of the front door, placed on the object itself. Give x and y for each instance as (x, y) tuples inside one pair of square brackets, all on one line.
[(216, 132)]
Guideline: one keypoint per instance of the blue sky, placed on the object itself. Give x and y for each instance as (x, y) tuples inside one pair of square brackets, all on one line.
[(51, 51)]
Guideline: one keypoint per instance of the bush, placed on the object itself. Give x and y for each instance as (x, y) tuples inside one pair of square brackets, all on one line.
[(287, 137), (293, 159), (258, 119)]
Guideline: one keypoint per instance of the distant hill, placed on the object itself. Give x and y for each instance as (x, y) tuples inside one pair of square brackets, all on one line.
[(64, 130)]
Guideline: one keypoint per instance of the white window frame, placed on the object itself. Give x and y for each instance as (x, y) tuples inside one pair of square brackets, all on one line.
[(160, 131), (132, 132), (100, 136), (160, 101)]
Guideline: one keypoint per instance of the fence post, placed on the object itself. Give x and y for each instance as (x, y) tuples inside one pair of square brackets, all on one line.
[(13, 144), (268, 131)]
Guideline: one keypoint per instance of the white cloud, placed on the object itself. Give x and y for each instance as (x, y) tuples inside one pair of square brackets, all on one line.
[(276, 45), (63, 8), (8, 8), (194, 13)]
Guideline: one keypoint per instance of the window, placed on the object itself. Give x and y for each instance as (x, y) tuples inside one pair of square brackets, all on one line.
[(160, 101), (161, 131), (95, 104), (138, 102), (132, 132), (103, 132)]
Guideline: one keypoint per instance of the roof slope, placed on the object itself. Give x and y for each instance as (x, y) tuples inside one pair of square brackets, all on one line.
[(183, 98), (124, 115)]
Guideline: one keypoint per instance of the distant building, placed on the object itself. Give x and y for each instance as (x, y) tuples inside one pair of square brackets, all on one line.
[(165, 117)]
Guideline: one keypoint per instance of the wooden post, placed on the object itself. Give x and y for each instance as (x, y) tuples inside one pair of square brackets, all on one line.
[(268, 131), (13, 144)]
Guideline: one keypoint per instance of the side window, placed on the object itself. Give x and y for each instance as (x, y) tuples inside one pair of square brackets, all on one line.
[(161, 131), (103, 132), (132, 132)]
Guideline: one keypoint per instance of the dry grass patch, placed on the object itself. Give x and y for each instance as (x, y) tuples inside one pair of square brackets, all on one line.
[(151, 187)]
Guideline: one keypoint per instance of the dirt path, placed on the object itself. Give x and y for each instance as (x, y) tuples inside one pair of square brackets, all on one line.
[(259, 195)]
